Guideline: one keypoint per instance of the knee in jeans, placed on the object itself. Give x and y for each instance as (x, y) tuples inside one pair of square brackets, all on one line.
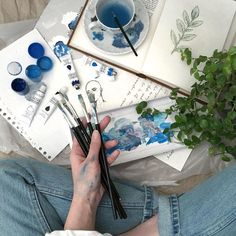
[(11, 170)]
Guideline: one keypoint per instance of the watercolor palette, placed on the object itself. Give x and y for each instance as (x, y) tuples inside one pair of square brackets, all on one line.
[(115, 43)]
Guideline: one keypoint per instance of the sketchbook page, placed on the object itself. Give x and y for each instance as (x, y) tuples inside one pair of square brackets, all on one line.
[(140, 137), (124, 90), (43, 137), (211, 24), (175, 158), (80, 40)]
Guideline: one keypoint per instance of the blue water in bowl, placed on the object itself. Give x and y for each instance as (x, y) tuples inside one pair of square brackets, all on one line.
[(106, 14)]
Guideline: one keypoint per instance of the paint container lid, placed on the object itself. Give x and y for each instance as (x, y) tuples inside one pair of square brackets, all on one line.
[(14, 68), (36, 50), (20, 86), (34, 73), (45, 63)]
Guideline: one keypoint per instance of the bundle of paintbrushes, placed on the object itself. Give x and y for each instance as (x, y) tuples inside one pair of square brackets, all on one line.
[(84, 138)]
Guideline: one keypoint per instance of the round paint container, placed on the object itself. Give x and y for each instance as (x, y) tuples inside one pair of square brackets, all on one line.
[(20, 86), (36, 50), (34, 73), (14, 68), (45, 63)]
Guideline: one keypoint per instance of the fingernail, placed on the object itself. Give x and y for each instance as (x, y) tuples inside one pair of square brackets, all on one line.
[(96, 134)]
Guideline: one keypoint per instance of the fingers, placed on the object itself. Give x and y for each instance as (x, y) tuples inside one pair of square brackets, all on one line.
[(113, 157), (104, 122), (110, 144), (94, 146)]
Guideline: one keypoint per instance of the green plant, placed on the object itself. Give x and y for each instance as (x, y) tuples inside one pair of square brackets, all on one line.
[(214, 120)]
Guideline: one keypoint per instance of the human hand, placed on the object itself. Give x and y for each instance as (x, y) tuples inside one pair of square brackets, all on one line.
[(87, 188)]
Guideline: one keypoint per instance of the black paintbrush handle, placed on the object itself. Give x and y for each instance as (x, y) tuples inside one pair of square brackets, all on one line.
[(80, 139), (90, 127), (125, 35)]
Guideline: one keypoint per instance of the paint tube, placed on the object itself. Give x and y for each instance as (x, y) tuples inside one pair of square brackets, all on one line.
[(70, 69), (45, 113), (34, 98), (99, 67)]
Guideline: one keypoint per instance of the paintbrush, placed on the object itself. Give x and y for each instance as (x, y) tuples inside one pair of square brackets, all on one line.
[(123, 32)]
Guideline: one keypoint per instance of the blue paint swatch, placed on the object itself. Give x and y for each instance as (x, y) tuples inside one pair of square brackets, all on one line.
[(34, 73), (105, 14), (45, 63), (20, 86), (36, 50)]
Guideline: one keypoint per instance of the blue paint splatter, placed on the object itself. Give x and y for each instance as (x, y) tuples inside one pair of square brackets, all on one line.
[(98, 35), (60, 49), (133, 33), (94, 64), (73, 23)]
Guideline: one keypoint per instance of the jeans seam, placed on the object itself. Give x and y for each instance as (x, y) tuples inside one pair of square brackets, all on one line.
[(148, 204), (224, 223), (174, 208)]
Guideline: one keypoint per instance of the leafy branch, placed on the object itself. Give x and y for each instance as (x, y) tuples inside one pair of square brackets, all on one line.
[(185, 26), (215, 120)]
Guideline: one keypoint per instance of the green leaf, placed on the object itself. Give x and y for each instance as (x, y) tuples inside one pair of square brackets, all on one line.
[(231, 115), (180, 136), (234, 63), (141, 106), (226, 158), (180, 25), (211, 98), (195, 139), (189, 37), (232, 90), (174, 125), (186, 18), (173, 37), (209, 77), (196, 23), (188, 142), (203, 124), (195, 13), (232, 51)]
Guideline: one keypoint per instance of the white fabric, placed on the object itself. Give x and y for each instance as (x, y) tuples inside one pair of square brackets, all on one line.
[(76, 233)]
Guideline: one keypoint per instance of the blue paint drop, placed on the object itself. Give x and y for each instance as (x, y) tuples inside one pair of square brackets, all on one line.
[(94, 64)]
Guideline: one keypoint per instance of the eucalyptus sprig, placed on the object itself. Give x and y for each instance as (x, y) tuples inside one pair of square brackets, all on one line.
[(185, 27), (214, 120)]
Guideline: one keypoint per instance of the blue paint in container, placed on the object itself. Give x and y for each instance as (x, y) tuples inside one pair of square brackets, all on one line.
[(20, 86), (34, 73), (45, 63), (36, 50), (105, 14)]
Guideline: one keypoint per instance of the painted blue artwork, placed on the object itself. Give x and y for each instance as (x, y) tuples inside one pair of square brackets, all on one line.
[(60, 49), (98, 35), (133, 33), (145, 130)]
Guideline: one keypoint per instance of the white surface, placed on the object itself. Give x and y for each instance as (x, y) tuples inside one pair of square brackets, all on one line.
[(43, 137)]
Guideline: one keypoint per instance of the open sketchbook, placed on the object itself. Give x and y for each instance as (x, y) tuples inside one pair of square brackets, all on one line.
[(175, 24)]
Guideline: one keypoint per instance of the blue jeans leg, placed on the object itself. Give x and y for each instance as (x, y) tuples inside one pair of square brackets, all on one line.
[(208, 210), (35, 198)]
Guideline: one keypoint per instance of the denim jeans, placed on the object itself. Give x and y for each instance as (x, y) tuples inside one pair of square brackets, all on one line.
[(35, 198)]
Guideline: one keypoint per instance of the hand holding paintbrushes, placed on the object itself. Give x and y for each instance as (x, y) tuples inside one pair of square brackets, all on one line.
[(84, 140)]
